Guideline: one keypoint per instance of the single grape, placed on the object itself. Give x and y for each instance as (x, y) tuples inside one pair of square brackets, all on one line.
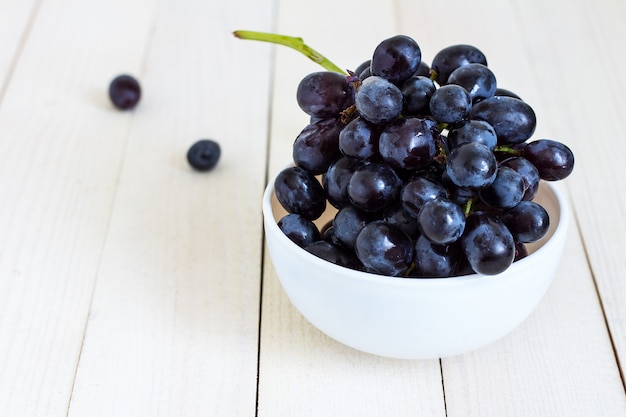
[(554, 160), (513, 120), (365, 65), (529, 173), (299, 192), (336, 179), (324, 94), (477, 79), (124, 92), (472, 131), (395, 215), (418, 191), (317, 146), (204, 154), (359, 139), (384, 249), (450, 103), (423, 70), (334, 254), (506, 191), (378, 100), (374, 186), (408, 144), (300, 230), (528, 221), (454, 56), (347, 224), (435, 261), (471, 165), (488, 244), (441, 221), (416, 92), (396, 59)]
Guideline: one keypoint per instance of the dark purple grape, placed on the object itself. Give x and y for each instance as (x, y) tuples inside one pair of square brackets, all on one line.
[(359, 139), (396, 59), (408, 144), (396, 216), (365, 65), (299, 192), (324, 94), (378, 100), (506, 191), (472, 131), (441, 221), (454, 56), (423, 70), (418, 191), (487, 243), (317, 146), (204, 154), (554, 160), (435, 261), (347, 224), (477, 79), (384, 249), (336, 180), (450, 103), (300, 230), (505, 92), (417, 92), (529, 174), (124, 92), (334, 254), (513, 120), (527, 222), (374, 186), (471, 165)]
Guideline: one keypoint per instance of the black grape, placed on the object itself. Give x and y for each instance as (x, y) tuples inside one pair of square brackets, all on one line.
[(477, 79), (441, 221), (471, 165), (528, 221), (450, 104), (374, 187), (384, 249), (378, 100), (324, 94), (454, 56), (299, 192), (317, 146), (124, 92), (396, 59), (299, 229), (506, 191), (359, 139), (513, 120), (408, 144), (488, 244), (554, 160)]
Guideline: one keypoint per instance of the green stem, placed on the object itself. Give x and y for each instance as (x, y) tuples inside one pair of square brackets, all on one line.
[(467, 208), (507, 149), (292, 42)]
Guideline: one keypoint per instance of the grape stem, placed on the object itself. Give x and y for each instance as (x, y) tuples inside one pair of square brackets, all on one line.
[(507, 149), (292, 42)]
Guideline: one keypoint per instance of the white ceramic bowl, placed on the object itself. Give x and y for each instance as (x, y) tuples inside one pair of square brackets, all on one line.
[(415, 318)]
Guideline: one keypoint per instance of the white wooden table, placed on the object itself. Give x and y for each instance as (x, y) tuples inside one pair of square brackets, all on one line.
[(132, 286)]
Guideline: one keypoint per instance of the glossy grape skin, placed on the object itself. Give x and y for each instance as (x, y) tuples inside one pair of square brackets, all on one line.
[(441, 221), (554, 160), (506, 191), (513, 120), (324, 94), (488, 244), (417, 92), (299, 192), (418, 191), (374, 186), (454, 56), (336, 179), (384, 249), (378, 100), (504, 92), (348, 223), (529, 174), (124, 92), (435, 261), (396, 59), (300, 230), (527, 222), (450, 103), (422, 70), (472, 131), (395, 215), (359, 139), (477, 79), (317, 146), (365, 65), (408, 144), (334, 254), (204, 155), (471, 165)]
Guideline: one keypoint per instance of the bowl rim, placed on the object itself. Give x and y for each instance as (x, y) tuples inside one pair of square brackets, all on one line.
[(347, 273)]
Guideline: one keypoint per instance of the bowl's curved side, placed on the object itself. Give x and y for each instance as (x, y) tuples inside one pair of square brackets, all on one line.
[(415, 318)]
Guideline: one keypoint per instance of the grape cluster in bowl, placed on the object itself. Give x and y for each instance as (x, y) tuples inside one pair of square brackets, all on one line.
[(431, 169)]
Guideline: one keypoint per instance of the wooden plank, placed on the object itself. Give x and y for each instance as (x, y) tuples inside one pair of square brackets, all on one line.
[(302, 371), (173, 329), (59, 159)]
